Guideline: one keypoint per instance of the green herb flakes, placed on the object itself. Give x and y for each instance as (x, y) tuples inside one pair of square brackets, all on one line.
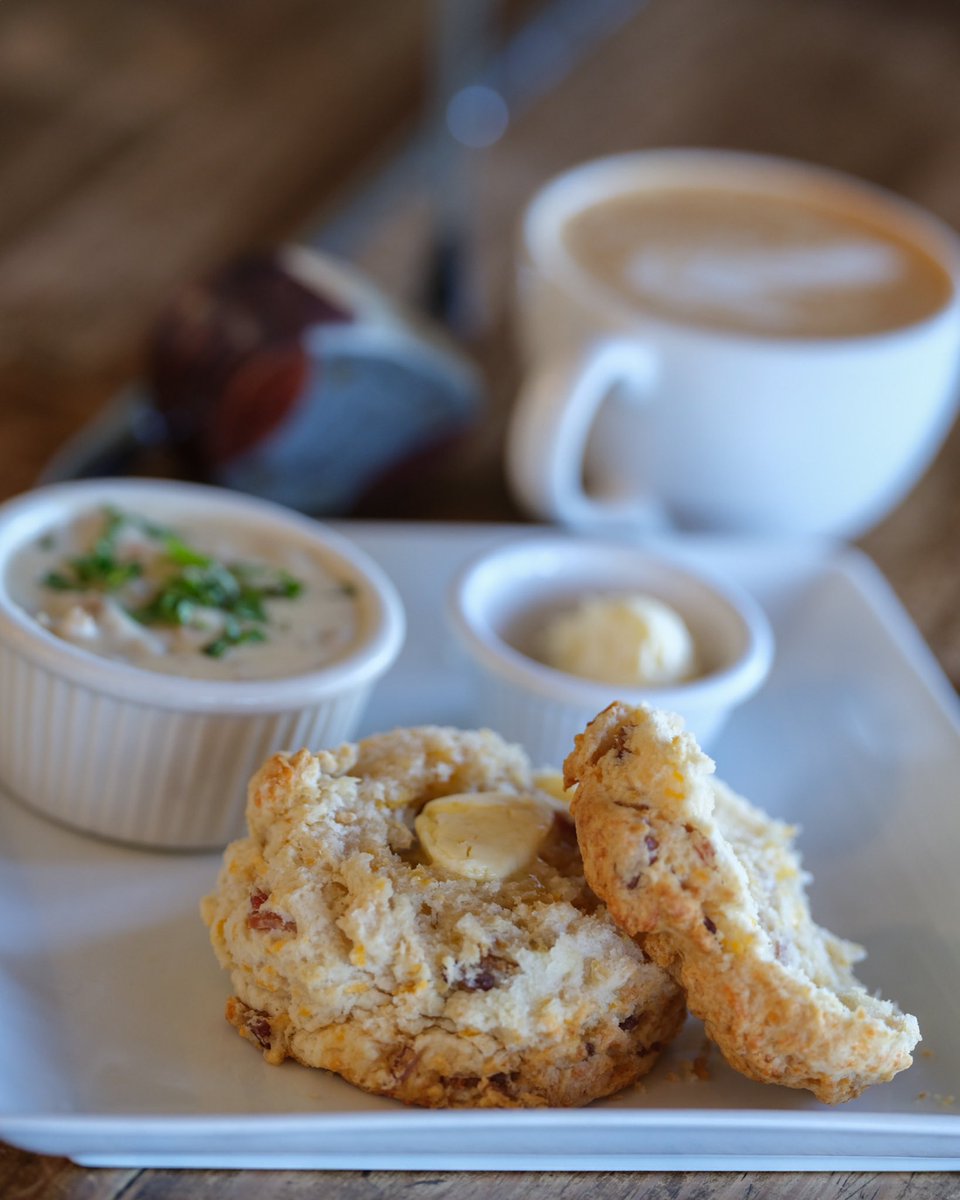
[(184, 586), (233, 636)]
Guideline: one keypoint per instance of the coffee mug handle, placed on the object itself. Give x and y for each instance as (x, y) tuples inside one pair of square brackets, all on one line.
[(550, 428)]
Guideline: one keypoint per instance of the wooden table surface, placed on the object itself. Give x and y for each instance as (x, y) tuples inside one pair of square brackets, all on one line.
[(145, 143)]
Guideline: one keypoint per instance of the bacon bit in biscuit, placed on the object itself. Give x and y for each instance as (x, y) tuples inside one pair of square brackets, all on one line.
[(262, 919), (652, 845), (615, 742), (462, 1081), (260, 1028), (252, 1023), (702, 846), (491, 972), (711, 928), (405, 1063), (266, 920), (482, 981)]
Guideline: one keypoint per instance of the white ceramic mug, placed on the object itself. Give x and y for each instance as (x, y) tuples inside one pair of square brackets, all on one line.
[(679, 424)]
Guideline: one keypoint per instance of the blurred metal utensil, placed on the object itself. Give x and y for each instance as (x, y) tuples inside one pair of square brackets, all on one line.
[(479, 84)]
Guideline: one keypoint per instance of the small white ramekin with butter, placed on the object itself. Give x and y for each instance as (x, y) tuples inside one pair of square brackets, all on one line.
[(559, 627)]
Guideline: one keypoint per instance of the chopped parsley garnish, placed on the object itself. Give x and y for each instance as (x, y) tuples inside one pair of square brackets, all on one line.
[(233, 635), (100, 569), (189, 583), (179, 552)]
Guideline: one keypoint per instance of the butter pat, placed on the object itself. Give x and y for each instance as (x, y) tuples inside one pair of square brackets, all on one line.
[(555, 794), (483, 835), (627, 640)]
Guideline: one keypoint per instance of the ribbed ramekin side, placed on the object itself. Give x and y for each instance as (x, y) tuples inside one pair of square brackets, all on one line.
[(544, 728), (134, 773)]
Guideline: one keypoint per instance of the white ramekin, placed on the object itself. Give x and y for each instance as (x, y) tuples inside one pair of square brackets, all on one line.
[(499, 598), (162, 760)]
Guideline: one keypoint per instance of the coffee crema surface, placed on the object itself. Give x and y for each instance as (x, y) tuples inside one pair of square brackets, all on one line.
[(757, 264)]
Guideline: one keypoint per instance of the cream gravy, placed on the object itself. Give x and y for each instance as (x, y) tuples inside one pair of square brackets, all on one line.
[(314, 624)]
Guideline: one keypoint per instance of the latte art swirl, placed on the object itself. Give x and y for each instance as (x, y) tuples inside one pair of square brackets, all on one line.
[(756, 264)]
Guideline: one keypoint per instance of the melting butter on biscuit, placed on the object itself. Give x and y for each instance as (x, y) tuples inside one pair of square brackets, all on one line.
[(483, 835), (555, 794)]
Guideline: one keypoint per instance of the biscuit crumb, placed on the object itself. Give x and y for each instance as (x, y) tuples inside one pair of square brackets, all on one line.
[(693, 1070), (701, 1066)]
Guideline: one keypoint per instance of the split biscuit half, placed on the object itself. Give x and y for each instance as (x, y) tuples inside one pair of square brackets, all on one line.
[(713, 891)]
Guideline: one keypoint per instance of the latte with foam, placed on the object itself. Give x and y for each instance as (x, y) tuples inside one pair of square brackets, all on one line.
[(758, 264)]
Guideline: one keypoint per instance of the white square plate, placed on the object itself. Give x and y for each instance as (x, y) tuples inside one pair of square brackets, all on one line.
[(115, 1050)]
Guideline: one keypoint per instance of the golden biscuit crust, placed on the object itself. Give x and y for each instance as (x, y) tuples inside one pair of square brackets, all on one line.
[(713, 890), (348, 950)]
